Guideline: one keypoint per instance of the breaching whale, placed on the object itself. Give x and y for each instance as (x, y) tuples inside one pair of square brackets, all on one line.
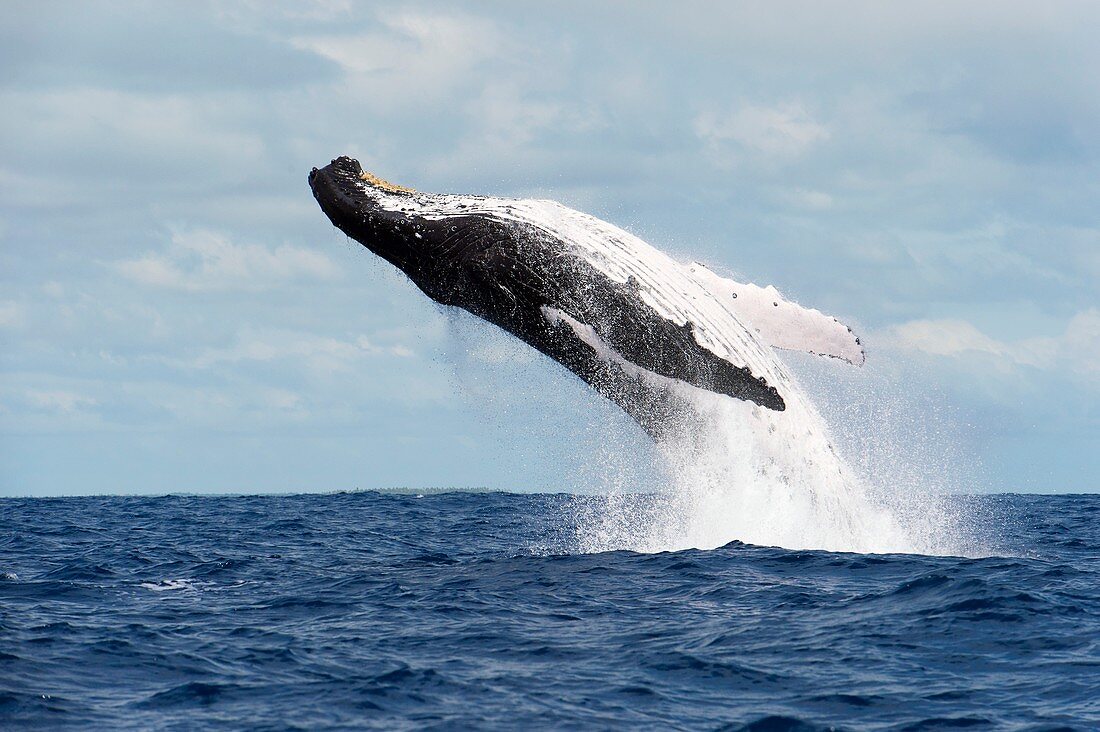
[(623, 316)]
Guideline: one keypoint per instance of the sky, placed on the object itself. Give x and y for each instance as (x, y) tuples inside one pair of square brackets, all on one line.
[(176, 314)]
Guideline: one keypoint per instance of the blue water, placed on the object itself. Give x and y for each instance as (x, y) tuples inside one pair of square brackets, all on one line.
[(451, 611)]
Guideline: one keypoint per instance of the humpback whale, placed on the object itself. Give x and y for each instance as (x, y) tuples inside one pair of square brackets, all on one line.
[(620, 314)]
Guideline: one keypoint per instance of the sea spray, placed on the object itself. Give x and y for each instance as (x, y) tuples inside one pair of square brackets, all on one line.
[(727, 471), (738, 472)]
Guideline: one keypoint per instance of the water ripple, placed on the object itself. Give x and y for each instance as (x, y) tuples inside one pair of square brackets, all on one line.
[(388, 611)]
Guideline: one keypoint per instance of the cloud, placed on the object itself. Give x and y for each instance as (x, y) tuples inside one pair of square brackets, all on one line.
[(783, 131), (1081, 342), (809, 199), (1076, 350), (945, 337), (320, 354), (114, 135), (61, 401), (207, 260), (510, 128), (294, 10), (174, 48), (413, 57), (11, 314)]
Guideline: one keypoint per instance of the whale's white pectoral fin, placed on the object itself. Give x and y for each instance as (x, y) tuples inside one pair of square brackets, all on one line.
[(781, 323)]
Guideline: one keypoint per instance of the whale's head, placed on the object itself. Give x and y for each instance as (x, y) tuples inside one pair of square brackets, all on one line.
[(430, 237), (368, 209)]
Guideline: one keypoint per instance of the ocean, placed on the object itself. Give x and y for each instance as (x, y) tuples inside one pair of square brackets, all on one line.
[(491, 611)]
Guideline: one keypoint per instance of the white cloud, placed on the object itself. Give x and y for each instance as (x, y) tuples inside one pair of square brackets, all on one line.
[(297, 10), (1077, 349), (783, 131), (413, 56), (54, 289), (246, 403), (11, 314), (810, 199), (507, 124), (58, 400), (167, 134), (318, 353), (1081, 341), (943, 338), (207, 260)]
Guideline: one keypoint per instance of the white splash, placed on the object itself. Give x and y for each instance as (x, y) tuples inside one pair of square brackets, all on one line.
[(171, 585), (738, 471)]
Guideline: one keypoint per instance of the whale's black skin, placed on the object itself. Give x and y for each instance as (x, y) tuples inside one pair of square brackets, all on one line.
[(506, 273)]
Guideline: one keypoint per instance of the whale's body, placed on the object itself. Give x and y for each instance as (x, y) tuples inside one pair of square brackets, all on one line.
[(615, 311)]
